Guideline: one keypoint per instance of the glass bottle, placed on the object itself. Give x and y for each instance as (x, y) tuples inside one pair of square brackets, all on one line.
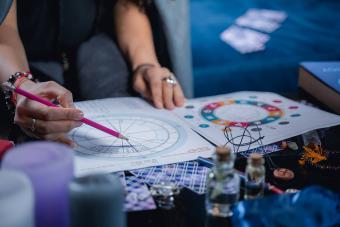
[(223, 184), (255, 177)]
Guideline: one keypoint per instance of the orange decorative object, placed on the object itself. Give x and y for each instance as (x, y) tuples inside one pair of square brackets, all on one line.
[(313, 153)]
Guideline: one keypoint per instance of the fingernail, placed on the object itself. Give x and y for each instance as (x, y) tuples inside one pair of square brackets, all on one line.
[(159, 105), (73, 145), (79, 115), (180, 104), (79, 123)]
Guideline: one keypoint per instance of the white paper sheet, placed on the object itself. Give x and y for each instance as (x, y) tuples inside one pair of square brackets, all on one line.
[(277, 118), (158, 137)]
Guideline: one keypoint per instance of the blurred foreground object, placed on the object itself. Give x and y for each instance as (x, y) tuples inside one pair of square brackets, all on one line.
[(223, 184), (97, 200), (314, 206), (49, 166), (16, 200), (5, 145)]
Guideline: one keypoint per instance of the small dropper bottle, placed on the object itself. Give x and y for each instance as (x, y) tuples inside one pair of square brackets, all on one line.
[(223, 184), (255, 177)]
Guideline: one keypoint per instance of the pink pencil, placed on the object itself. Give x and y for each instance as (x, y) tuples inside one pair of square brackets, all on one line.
[(48, 103)]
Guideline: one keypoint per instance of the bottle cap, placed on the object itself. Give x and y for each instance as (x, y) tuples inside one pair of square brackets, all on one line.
[(256, 159), (223, 154)]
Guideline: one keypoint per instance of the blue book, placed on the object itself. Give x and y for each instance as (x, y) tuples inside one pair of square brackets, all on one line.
[(322, 81)]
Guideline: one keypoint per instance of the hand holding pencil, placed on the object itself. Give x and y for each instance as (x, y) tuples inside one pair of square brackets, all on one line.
[(43, 122), (53, 121)]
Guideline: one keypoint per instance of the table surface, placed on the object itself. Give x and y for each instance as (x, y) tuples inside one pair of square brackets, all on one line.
[(190, 210)]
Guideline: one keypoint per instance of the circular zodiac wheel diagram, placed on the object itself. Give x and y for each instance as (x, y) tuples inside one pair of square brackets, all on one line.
[(147, 136), (241, 113)]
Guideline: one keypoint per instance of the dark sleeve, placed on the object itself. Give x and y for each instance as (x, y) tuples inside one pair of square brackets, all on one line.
[(5, 5)]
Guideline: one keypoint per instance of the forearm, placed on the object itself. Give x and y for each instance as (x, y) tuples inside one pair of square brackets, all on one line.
[(12, 52), (134, 34)]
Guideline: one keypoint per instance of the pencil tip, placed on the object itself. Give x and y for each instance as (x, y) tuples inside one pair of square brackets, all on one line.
[(123, 138)]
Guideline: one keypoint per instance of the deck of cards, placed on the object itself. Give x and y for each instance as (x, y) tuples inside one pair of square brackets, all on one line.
[(244, 40), (247, 34)]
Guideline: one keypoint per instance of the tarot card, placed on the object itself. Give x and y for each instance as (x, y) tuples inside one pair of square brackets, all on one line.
[(273, 15), (244, 40), (137, 196), (186, 174), (262, 20)]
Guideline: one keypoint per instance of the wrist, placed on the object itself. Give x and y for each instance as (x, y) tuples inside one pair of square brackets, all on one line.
[(143, 60), (142, 67), (17, 79), (24, 84)]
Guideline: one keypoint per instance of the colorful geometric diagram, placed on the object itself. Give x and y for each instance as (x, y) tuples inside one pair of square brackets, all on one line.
[(265, 113)]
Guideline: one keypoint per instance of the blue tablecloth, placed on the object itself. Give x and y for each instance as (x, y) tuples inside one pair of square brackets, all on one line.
[(310, 33)]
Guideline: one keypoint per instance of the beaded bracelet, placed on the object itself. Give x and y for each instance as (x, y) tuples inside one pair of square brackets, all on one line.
[(16, 79)]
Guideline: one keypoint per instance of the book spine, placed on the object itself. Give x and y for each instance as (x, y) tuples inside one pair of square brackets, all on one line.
[(320, 91)]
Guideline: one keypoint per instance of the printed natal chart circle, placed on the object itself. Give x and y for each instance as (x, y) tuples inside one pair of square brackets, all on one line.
[(241, 113), (147, 135)]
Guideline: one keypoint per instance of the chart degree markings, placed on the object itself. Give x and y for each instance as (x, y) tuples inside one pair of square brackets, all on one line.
[(148, 134)]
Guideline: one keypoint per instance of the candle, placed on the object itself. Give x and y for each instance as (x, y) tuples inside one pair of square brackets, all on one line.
[(49, 166), (97, 200), (16, 200)]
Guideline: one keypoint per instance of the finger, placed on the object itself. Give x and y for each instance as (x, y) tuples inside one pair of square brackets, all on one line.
[(29, 133), (24, 122), (59, 137), (168, 96), (156, 92), (55, 91), (41, 112), (179, 97), (52, 127), (46, 127), (67, 141), (66, 100), (140, 86)]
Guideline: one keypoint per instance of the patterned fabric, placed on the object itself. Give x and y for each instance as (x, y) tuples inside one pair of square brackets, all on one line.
[(267, 149), (186, 174), (138, 196)]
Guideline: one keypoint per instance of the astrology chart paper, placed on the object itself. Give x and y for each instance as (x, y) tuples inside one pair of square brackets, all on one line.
[(265, 114), (158, 137)]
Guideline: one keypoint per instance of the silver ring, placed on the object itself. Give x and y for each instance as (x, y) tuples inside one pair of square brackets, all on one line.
[(170, 80), (33, 124)]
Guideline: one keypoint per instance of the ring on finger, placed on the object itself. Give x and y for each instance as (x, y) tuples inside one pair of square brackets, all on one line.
[(33, 124), (171, 79)]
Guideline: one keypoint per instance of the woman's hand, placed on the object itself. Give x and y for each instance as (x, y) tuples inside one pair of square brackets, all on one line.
[(45, 122), (151, 82)]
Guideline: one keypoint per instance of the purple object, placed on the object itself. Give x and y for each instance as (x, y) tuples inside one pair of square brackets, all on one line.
[(50, 168)]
